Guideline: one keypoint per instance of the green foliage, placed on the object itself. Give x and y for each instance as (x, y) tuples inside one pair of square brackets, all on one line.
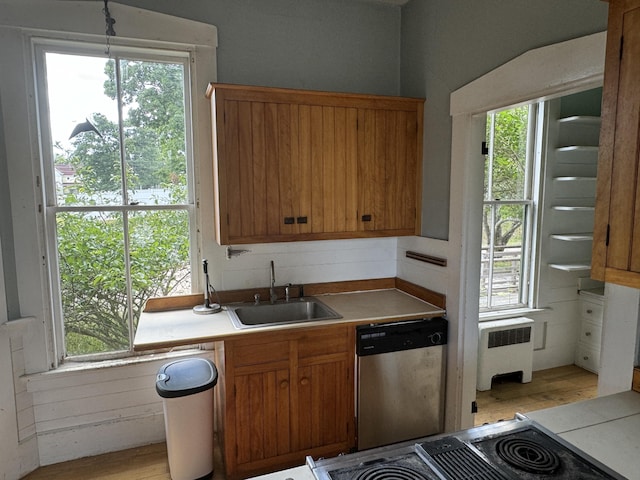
[(509, 154), (505, 177)]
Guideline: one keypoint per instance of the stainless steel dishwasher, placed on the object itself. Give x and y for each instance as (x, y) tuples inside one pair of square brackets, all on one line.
[(400, 381)]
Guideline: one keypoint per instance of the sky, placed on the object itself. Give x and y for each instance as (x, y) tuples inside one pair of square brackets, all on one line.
[(75, 92)]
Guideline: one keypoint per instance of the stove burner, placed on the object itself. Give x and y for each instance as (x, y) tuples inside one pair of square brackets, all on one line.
[(390, 472), (528, 455)]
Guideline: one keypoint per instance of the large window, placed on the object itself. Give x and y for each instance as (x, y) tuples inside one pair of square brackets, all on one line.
[(508, 209), (119, 209)]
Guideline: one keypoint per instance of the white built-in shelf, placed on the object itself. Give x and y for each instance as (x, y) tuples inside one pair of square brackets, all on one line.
[(579, 154), (575, 179), (567, 208), (573, 237), (581, 119), (571, 267)]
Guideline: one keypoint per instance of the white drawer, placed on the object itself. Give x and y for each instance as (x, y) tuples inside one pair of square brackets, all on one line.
[(591, 311), (588, 358), (590, 334)]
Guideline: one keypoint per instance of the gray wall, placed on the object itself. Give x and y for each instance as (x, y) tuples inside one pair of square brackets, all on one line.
[(333, 45), (448, 43), (6, 231)]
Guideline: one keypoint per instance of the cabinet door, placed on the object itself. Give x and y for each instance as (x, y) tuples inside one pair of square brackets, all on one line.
[(616, 249), (256, 176), (257, 407), (324, 391), (262, 406), (388, 170)]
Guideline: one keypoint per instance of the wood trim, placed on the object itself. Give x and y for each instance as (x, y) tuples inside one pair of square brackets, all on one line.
[(434, 298), (621, 277), (179, 302), (636, 379), (313, 97)]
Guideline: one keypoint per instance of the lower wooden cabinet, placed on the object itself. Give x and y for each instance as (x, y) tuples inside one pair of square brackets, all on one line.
[(283, 396)]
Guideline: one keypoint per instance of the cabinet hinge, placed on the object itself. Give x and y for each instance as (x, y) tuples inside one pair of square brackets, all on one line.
[(484, 149), (228, 220), (621, 46), (606, 240)]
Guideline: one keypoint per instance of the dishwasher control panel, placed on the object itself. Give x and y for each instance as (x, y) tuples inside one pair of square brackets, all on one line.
[(397, 336)]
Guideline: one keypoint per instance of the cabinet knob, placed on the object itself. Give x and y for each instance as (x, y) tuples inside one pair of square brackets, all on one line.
[(585, 358), (284, 384), (589, 310), (304, 381), (588, 334)]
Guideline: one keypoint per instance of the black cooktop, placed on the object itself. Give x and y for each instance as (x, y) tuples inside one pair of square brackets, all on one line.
[(518, 449)]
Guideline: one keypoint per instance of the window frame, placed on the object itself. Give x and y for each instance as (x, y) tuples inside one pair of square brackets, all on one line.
[(530, 201), (40, 47)]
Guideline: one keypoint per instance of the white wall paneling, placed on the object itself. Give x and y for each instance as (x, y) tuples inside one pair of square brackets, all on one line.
[(85, 412)]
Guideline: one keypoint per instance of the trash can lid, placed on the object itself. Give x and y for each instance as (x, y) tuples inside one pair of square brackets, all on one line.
[(186, 377)]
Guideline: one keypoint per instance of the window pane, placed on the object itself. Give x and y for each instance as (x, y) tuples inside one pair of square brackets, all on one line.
[(502, 263), (506, 166), (92, 282), (153, 99), (159, 252), (84, 133)]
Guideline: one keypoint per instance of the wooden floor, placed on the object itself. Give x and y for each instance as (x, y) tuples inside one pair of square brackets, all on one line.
[(548, 388), (556, 386), (141, 463)]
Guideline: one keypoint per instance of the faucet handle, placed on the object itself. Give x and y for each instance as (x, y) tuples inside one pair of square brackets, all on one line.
[(287, 291), (256, 297)]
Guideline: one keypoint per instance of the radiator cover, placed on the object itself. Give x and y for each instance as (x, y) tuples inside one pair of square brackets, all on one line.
[(505, 346)]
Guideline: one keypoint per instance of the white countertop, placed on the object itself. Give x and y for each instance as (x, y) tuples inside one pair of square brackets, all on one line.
[(183, 327), (606, 428)]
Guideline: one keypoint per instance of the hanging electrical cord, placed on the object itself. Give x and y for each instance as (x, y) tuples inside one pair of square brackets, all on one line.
[(109, 31)]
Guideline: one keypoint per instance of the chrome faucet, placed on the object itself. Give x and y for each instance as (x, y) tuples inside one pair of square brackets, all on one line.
[(272, 292)]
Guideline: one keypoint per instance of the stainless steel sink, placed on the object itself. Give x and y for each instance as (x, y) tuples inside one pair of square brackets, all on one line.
[(307, 309)]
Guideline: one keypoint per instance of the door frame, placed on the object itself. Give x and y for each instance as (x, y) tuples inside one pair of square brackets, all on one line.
[(547, 72)]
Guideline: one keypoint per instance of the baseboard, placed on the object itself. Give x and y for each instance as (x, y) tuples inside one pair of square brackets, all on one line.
[(636, 379)]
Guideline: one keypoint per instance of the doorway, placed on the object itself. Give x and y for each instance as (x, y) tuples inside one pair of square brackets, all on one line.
[(541, 74)]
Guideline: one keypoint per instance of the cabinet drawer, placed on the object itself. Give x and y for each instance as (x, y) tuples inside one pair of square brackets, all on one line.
[(327, 341), (591, 311), (258, 353), (588, 358), (591, 334)]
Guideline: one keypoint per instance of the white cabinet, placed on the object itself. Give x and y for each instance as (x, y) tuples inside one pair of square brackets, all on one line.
[(588, 350)]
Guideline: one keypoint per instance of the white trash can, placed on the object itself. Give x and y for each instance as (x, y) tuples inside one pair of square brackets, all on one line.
[(186, 388)]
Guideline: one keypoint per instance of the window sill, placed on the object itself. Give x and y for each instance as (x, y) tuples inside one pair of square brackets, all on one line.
[(42, 381), (503, 314)]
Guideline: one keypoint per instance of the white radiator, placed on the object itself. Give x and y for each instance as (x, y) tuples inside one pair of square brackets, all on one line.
[(505, 346)]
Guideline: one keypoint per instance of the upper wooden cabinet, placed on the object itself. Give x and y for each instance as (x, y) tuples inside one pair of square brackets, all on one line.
[(616, 241), (303, 165)]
